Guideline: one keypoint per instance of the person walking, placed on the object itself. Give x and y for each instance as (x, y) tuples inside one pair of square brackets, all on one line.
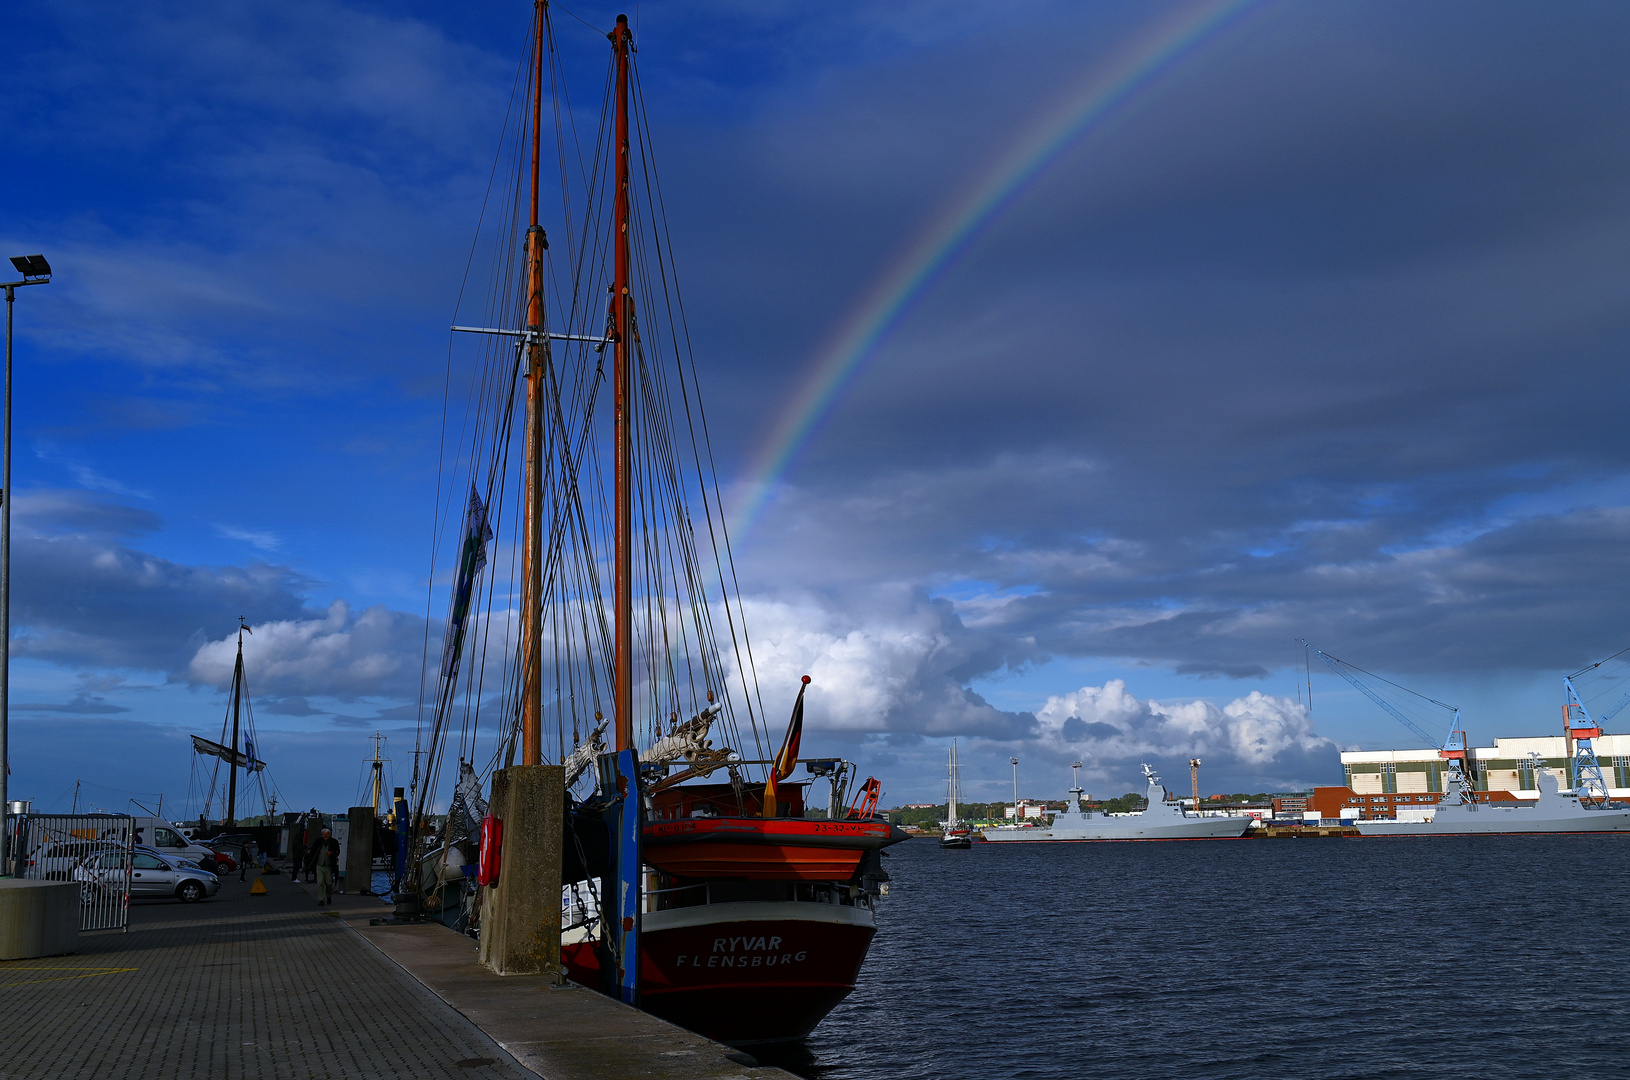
[(328, 864), (246, 857)]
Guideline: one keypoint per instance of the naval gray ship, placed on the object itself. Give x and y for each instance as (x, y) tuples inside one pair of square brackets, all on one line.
[(1553, 812), (1161, 821)]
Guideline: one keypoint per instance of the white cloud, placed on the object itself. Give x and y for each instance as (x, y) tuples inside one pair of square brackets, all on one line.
[(1108, 724), (899, 669), (375, 652), (263, 539)]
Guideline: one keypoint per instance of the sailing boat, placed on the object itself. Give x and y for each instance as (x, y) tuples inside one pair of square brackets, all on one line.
[(714, 901), (228, 752), (957, 835)]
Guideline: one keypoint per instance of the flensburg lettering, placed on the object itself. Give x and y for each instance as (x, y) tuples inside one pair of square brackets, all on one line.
[(732, 960)]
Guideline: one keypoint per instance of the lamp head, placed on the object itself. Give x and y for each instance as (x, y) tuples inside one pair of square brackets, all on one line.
[(31, 266)]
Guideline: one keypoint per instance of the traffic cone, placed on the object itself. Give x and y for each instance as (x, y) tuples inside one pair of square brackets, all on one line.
[(258, 888)]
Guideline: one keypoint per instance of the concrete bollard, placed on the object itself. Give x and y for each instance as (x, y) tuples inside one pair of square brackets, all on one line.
[(520, 916), (359, 851), (41, 918)]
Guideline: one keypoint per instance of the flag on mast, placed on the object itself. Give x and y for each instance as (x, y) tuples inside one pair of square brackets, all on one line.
[(787, 759), (472, 560)]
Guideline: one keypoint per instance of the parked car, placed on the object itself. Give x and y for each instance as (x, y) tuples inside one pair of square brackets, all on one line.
[(167, 838), (152, 876), (55, 860), (168, 856), (225, 863)]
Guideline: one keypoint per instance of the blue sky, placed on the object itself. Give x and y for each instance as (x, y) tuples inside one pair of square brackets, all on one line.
[(1320, 336)]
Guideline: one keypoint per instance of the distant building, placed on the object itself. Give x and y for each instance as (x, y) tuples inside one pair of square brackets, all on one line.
[(1030, 810), (1289, 805)]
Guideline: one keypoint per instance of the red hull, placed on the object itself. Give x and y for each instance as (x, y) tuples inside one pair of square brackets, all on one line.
[(744, 981), (763, 849)]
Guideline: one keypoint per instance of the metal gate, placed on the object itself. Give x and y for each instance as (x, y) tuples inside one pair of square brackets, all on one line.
[(94, 850)]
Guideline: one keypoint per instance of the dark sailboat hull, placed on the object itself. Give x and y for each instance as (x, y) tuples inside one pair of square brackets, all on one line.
[(744, 973)]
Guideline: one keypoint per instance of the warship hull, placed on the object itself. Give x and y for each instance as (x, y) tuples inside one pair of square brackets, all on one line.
[(1550, 812), (1084, 828), (1161, 821)]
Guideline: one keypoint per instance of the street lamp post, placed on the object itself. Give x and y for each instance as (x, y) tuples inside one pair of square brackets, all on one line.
[(35, 271)]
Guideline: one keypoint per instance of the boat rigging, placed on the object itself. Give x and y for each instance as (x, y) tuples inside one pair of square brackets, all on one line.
[(643, 687)]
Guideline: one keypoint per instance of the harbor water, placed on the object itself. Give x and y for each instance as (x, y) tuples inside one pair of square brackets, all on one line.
[(1494, 956)]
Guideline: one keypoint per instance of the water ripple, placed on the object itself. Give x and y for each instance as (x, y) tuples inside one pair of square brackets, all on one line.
[(1404, 958)]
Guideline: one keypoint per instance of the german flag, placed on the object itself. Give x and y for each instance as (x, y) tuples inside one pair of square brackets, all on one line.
[(787, 759)]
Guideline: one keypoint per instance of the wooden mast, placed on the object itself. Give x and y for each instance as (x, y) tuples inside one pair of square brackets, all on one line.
[(622, 316), (536, 358), (237, 711), (232, 762)]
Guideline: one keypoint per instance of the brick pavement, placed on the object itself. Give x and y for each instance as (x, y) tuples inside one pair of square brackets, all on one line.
[(233, 988)]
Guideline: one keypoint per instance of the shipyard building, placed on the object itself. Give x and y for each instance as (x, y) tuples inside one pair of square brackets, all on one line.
[(1505, 766)]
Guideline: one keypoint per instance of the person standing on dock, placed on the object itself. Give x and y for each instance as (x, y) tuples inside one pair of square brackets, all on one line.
[(328, 864)]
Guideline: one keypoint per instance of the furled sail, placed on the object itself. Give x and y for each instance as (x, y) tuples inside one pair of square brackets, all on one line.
[(472, 559), (227, 754)]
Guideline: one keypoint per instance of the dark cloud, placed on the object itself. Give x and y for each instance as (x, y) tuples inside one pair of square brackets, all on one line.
[(79, 706), (1078, 730), (83, 597), (1317, 335)]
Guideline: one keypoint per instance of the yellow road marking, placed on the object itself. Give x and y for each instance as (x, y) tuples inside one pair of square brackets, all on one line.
[(84, 973)]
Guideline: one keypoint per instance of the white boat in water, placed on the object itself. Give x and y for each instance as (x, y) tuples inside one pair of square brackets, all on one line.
[(1161, 821), (957, 836), (1553, 812)]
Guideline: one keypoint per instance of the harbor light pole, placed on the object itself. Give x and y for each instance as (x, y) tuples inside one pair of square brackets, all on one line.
[(1016, 819), (1194, 778), (35, 271)]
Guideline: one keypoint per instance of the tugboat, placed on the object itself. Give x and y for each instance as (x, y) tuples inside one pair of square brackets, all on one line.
[(957, 836)]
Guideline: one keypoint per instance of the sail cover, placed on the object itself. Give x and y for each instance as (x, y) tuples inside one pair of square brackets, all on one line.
[(228, 755)]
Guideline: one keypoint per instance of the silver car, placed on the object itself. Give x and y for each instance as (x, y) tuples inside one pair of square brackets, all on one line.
[(152, 877), (55, 859)]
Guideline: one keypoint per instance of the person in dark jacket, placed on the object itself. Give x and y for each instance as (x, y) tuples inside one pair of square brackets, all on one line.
[(328, 866)]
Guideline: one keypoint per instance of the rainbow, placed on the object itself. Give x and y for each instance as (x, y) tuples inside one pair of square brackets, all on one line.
[(949, 234)]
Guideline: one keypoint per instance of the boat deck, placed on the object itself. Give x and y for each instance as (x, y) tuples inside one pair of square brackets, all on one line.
[(275, 987)]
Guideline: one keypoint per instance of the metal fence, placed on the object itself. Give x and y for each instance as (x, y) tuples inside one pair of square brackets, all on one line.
[(94, 850)]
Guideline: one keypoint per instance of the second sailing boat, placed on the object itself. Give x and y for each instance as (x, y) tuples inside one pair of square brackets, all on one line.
[(956, 836)]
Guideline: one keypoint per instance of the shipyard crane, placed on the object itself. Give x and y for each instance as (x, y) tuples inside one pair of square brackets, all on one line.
[(1453, 750), (1581, 730)]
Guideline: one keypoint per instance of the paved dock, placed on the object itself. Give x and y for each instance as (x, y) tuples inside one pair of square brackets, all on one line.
[(244, 987)]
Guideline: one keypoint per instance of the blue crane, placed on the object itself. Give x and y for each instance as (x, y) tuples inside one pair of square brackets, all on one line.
[(1581, 730), (1453, 749)]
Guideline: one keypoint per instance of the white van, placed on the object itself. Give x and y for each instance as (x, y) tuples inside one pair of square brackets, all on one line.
[(167, 838)]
